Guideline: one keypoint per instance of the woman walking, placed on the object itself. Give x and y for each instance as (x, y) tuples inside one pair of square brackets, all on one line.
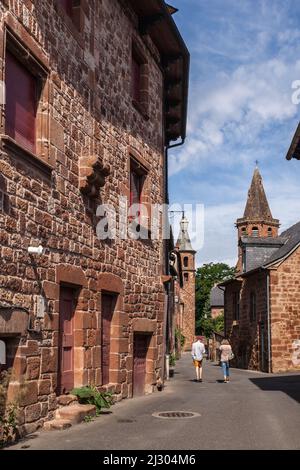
[(226, 356)]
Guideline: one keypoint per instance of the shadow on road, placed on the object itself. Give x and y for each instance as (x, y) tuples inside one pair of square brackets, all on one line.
[(288, 384)]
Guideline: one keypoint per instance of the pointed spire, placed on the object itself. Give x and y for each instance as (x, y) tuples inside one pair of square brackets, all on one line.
[(257, 206), (184, 242)]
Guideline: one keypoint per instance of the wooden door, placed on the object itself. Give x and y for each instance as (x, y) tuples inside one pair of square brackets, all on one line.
[(66, 340), (140, 348), (108, 306)]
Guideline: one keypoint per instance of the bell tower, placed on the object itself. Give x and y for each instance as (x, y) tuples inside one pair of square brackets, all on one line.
[(257, 220), (188, 291)]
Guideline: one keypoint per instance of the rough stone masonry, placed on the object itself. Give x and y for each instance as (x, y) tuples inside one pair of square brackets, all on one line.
[(89, 132)]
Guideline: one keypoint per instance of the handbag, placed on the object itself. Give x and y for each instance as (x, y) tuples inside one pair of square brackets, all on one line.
[(230, 356)]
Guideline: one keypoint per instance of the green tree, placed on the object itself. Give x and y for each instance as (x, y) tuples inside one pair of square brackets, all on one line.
[(206, 277), (219, 323)]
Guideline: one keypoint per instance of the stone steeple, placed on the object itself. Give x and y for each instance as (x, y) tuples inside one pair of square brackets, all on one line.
[(188, 290), (257, 206), (257, 220), (184, 242)]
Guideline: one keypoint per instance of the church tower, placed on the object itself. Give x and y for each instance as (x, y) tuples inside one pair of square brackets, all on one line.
[(257, 220), (188, 291)]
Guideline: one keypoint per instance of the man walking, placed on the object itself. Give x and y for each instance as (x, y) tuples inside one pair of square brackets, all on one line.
[(198, 350)]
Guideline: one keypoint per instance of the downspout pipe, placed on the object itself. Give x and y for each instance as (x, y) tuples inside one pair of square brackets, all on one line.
[(269, 323), (166, 185), (168, 147)]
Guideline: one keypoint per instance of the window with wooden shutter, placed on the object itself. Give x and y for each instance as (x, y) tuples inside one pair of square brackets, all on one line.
[(137, 179), (21, 103)]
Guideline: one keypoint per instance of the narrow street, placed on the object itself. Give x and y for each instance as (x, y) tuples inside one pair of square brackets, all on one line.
[(253, 411)]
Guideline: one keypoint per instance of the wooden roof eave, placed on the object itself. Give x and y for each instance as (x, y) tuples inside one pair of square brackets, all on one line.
[(294, 150), (155, 19)]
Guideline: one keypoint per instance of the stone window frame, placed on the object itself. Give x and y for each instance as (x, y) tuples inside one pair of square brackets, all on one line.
[(255, 232), (186, 262), (134, 158), (75, 23), (20, 43), (142, 105), (186, 277)]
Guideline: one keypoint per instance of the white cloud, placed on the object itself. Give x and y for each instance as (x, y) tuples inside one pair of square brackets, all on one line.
[(244, 61), (237, 107)]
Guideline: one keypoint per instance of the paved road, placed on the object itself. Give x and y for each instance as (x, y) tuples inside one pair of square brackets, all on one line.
[(254, 411)]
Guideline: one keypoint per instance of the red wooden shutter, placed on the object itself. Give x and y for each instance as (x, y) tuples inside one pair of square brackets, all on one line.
[(67, 6), (21, 103), (136, 80)]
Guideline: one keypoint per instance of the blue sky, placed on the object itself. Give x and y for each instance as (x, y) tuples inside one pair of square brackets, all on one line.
[(245, 54)]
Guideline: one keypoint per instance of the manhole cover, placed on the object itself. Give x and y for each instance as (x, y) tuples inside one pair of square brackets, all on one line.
[(175, 414)]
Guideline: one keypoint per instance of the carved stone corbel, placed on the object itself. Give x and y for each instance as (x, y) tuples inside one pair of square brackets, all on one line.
[(92, 174)]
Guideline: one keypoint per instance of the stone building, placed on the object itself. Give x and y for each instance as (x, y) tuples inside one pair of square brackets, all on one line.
[(216, 301), (186, 299), (262, 303), (95, 94)]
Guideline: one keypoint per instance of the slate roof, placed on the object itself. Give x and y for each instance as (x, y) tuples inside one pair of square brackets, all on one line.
[(216, 297), (292, 239), (263, 241)]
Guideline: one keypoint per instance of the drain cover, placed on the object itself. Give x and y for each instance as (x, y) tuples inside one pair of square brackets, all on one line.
[(175, 414)]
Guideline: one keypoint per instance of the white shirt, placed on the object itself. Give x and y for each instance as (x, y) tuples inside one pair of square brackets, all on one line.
[(198, 349)]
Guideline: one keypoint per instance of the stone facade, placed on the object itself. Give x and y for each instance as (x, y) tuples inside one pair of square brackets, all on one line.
[(188, 300), (285, 317), (262, 305), (88, 129), (186, 316)]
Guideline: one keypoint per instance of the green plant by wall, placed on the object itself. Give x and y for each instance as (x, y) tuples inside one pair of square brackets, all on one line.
[(179, 337), (8, 412), (91, 395), (172, 360)]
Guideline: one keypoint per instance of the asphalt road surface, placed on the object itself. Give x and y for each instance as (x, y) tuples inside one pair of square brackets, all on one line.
[(253, 411)]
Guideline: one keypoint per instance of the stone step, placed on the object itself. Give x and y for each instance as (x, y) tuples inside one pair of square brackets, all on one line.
[(57, 425), (75, 413), (65, 400)]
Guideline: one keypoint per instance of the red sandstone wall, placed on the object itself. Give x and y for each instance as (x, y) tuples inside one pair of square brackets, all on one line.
[(285, 308), (244, 334), (188, 299), (90, 114)]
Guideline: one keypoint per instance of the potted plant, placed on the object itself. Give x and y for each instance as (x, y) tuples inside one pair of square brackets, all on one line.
[(172, 362)]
